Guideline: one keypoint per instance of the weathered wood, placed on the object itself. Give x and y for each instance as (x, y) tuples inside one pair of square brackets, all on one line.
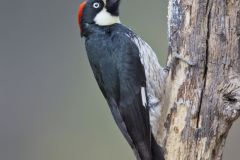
[(202, 101)]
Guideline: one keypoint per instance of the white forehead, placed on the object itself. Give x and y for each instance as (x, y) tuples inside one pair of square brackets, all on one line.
[(104, 1)]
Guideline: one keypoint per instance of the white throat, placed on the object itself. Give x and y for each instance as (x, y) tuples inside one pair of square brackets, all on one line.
[(104, 18)]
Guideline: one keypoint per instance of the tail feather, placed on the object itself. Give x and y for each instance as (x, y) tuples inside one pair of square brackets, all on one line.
[(157, 153)]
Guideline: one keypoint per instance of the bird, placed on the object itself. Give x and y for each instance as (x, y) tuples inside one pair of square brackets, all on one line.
[(127, 72)]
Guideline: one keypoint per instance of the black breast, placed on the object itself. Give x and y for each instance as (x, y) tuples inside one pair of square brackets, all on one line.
[(103, 62)]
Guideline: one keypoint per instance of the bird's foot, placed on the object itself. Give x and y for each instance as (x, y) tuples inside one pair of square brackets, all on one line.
[(176, 56)]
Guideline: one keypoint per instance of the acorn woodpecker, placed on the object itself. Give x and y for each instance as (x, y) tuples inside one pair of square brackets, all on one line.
[(127, 72)]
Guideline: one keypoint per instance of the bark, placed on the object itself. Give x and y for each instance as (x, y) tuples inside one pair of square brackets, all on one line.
[(201, 101)]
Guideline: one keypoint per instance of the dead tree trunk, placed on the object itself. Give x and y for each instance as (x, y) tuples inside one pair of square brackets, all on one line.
[(201, 101)]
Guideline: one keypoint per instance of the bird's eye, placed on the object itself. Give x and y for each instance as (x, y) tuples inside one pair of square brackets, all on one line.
[(96, 5)]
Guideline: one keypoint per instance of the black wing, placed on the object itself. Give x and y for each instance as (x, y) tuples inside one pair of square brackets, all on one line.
[(134, 114)]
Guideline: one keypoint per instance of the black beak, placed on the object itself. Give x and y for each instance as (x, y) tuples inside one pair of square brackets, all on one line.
[(112, 1), (113, 7)]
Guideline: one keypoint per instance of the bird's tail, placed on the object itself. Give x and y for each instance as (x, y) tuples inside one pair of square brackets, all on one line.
[(157, 153)]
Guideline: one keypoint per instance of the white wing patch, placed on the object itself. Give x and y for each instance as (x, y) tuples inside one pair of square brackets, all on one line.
[(144, 98), (155, 74), (155, 80)]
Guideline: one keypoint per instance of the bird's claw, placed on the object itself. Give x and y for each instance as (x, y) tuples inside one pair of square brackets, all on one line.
[(178, 56)]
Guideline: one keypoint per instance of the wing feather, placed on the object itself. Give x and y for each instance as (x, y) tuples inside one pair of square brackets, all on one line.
[(132, 79)]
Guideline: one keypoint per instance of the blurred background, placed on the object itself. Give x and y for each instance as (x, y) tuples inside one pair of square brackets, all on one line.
[(50, 105)]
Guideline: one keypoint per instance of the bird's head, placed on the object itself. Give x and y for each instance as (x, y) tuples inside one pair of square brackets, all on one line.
[(99, 12)]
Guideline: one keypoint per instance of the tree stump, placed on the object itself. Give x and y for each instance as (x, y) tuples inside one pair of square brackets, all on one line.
[(201, 101)]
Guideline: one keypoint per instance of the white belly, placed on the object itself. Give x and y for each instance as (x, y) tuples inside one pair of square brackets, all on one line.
[(155, 76)]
